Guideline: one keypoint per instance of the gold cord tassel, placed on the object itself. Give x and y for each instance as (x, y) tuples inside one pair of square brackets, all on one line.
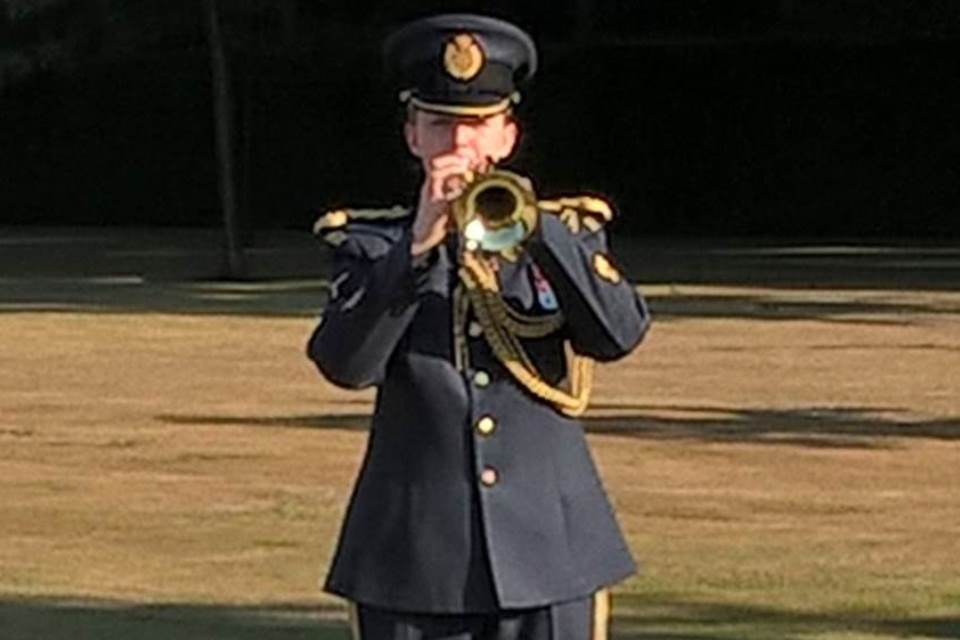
[(503, 326)]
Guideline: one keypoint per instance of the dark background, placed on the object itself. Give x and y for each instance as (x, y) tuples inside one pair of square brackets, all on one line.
[(751, 118)]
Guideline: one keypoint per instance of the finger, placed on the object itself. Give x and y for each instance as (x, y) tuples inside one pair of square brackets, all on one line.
[(457, 164), (460, 156), (452, 192), (454, 185), (436, 190), (450, 168), (449, 177), (447, 187), (445, 192), (467, 152), (440, 224), (459, 152), (446, 158)]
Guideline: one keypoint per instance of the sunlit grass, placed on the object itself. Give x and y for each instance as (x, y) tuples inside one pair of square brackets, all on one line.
[(780, 474)]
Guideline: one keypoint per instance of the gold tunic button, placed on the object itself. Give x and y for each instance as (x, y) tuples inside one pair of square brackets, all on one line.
[(489, 476), (481, 378), (474, 329), (486, 425)]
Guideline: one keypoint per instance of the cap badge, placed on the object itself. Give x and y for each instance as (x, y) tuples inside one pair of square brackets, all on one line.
[(462, 57)]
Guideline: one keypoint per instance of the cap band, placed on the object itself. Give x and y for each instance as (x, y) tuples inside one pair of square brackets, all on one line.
[(463, 109)]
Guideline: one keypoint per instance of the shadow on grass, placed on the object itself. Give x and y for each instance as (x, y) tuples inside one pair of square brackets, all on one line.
[(807, 426), (849, 427), (169, 270), (636, 617), (306, 299), (53, 619), (774, 307)]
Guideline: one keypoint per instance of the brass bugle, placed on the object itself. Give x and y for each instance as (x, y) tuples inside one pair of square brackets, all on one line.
[(496, 210)]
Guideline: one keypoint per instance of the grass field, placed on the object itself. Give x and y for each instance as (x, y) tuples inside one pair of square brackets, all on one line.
[(785, 458)]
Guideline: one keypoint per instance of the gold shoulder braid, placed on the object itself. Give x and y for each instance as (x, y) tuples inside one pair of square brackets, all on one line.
[(588, 212), (503, 326), (332, 226)]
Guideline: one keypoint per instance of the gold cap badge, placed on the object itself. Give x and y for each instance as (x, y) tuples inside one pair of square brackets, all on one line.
[(605, 269), (463, 57)]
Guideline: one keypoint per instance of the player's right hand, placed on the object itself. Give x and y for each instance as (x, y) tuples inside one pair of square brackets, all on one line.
[(446, 178)]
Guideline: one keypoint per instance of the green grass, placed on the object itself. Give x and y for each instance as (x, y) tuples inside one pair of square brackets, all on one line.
[(783, 460)]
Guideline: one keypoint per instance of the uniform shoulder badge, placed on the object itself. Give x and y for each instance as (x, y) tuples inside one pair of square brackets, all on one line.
[(334, 226), (587, 213)]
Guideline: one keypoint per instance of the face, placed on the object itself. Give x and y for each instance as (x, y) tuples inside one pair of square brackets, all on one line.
[(485, 140)]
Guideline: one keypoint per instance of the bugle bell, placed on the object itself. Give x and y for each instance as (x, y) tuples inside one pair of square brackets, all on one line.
[(496, 211)]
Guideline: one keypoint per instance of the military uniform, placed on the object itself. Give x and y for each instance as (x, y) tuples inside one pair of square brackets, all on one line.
[(478, 510)]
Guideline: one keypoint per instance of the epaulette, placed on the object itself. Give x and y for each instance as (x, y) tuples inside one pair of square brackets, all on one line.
[(580, 212), (334, 226)]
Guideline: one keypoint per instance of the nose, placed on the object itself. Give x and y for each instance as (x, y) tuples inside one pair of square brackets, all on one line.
[(464, 134)]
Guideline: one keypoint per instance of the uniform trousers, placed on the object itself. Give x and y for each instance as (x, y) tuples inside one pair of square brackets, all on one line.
[(583, 619)]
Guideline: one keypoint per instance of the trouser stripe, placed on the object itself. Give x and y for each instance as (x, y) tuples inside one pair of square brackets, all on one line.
[(354, 618), (601, 615)]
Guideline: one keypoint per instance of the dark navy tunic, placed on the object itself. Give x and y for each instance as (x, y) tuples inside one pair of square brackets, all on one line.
[(473, 494)]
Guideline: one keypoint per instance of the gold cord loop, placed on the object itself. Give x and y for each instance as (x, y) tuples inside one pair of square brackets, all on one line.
[(503, 326)]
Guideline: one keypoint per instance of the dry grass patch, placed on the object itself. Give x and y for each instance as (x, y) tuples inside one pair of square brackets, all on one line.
[(781, 472)]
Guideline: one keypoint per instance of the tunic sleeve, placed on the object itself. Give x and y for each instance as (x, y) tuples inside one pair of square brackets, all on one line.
[(372, 303), (606, 317)]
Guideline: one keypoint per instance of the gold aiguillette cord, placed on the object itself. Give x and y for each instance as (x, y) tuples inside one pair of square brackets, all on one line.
[(503, 327)]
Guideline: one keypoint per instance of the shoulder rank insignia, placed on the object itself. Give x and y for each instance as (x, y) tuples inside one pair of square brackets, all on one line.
[(332, 227), (604, 268), (580, 212)]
